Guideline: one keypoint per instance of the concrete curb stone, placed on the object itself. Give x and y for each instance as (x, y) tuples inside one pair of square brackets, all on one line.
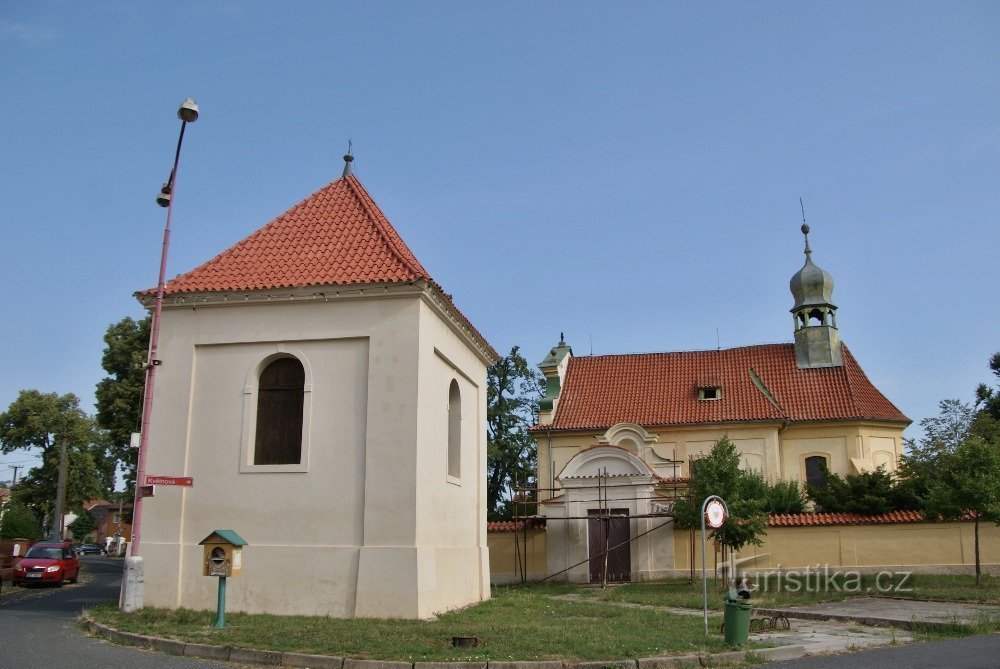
[(207, 652), (675, 662), (602, 664), (249, 656), (352, 663), (781, 652), (166, 645), (449, 665), (543, 664), (311, 661)]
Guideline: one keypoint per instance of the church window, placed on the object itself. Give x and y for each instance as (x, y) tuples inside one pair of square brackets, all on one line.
[(454, 430), (816, 469), (280, 394)]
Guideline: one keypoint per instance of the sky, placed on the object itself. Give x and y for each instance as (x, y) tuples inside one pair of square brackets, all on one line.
[(626, 173)]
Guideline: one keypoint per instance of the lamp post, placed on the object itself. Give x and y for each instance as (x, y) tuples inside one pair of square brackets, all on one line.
[(131, 595)]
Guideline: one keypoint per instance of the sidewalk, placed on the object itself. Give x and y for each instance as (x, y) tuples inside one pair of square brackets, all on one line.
[(899, 613)]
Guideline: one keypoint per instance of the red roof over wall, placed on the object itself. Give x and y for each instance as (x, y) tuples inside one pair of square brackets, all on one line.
[(654, 389), (336, 236)]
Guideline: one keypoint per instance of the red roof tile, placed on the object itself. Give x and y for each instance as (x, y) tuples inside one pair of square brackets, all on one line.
[(810, 519), (514, 526), (662, 389), (336, 236)]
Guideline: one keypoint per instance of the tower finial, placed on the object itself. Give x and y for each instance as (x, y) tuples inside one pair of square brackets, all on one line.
[(805, 229), (348, 159)]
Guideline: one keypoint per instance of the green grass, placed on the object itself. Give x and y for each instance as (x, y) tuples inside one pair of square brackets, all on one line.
[(795, 592), (517, 624)]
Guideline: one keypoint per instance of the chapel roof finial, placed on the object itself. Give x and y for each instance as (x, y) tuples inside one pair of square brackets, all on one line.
[(348, 159), (805, 229)]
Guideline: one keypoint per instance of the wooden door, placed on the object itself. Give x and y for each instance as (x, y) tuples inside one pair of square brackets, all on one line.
[(613, 534)]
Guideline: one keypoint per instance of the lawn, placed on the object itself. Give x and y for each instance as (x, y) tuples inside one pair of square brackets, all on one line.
[(527, 623)]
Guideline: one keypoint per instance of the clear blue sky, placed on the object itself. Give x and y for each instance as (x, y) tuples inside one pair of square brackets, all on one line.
[(628, 174)]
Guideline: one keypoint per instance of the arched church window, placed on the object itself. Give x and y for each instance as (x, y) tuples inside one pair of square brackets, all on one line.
[(454, 430), (816, 468), (280, 391)]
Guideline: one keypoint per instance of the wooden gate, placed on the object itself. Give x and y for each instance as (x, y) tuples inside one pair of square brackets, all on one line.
[(609, 533)]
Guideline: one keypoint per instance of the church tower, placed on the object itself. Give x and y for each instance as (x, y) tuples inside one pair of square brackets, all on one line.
[(817, 340)]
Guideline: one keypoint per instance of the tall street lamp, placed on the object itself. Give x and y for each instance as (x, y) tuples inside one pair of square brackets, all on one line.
[(131, 595)]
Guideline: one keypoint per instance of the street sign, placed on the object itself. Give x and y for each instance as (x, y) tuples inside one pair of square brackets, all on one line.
[(170, 480), (715, 513)]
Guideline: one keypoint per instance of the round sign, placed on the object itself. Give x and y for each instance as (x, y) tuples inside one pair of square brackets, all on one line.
[(715, 513)]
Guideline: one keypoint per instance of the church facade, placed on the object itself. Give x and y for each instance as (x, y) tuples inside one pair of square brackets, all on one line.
[(329, 400), (617, 433)]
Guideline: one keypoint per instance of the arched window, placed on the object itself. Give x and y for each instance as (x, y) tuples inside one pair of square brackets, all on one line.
[(279, 413), (454, 430), (816, 468)]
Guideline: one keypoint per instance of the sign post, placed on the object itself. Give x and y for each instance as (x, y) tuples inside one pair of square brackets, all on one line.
[(715, 510)]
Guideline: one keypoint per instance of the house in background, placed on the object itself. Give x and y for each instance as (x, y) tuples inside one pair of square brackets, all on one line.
[(329, 400), (113, 531), (617, 433)]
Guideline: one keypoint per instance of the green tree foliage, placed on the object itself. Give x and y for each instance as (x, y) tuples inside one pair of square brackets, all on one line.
[(84, 525), (968, 483), (988, 399), (869, 493), (19, 522), (42, 421), (954, 469), (785, 497), (720, 474), (119, 395), (513, 391)]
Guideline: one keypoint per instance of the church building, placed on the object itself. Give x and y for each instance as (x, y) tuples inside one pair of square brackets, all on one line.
[(618, 433), (329, 400)]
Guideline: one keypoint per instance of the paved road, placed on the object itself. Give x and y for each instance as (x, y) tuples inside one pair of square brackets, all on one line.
[(981, 652), (38, 626)]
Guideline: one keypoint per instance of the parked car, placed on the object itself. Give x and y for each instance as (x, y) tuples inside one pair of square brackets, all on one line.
[(48, 562), (90, 549)]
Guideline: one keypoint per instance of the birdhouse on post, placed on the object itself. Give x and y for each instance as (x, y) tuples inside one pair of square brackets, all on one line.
[(223, 558), (223, 555)]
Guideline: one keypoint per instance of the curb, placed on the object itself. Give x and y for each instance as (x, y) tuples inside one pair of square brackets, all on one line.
[(861, 620), (274, 658)]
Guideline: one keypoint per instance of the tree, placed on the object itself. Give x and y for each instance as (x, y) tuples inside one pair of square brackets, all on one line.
[(988, 399), (720, 474), (83, 526), (18, 522), (513, 389), (43, 421), (968, 483), (119, 395), (954, 469), (868, 493)]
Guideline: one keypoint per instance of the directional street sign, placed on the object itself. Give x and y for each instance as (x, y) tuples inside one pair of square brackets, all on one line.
[(170, 480)]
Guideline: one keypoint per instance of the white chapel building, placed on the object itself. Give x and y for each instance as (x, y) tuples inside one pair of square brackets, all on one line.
[(329, 400)]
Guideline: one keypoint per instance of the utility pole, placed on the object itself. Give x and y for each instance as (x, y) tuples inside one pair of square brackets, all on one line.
[(15, 468), (57, 524)]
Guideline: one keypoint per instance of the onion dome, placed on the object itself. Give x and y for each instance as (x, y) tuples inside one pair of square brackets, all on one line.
[(811, 286)]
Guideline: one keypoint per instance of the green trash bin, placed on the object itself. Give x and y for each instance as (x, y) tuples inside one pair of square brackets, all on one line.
[(736, 618)]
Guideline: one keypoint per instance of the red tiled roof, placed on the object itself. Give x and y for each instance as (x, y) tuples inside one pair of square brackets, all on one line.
[(809, 519), (336, 236), (662, 389), (514, 526)]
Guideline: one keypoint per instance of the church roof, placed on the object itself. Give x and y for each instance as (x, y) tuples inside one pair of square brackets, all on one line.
[(336, 236), (758, 383)]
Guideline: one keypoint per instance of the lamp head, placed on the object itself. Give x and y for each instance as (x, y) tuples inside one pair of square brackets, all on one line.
[(188, 111), (163, 199)]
